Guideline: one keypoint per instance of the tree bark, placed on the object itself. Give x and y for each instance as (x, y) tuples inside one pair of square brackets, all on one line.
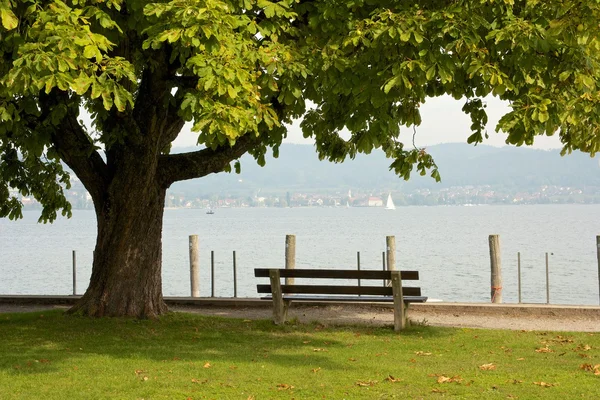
[(126, 274)]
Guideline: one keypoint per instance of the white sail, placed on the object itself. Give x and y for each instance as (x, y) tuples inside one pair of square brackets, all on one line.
[(390, 203)]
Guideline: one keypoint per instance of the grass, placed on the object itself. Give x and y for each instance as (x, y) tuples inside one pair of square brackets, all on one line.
[(183, 356)]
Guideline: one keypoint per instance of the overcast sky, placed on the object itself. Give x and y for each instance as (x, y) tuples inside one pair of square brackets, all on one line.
[(443, 122)]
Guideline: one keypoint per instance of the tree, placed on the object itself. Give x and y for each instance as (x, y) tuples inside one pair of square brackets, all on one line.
[(241, 69)]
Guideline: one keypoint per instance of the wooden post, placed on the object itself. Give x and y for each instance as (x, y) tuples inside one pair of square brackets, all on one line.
[(234, 276), (290, 256), (279, 309), (390, 247), (399, 314), (547, 281), (194, 266), (358, 265), (519, 274), (74, 273), (383, 265), (598, 256), (390, 254), (496, 265), (212, 273)]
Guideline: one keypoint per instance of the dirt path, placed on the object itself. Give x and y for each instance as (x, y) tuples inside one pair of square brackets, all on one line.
[(379, 316)]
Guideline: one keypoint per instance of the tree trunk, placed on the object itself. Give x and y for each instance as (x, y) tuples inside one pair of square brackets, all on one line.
[(126, 274)]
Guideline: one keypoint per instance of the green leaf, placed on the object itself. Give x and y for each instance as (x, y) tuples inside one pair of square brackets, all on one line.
[(232, 92), (120, 99), (564, 76), (9, 19), (89, 51), (390, 84), (430, 73)]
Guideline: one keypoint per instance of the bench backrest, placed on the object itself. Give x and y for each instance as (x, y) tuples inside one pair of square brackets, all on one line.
[(337, 274)]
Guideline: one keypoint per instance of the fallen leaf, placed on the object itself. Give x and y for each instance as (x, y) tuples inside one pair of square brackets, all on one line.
[(284, 386), (544, 384), (447, 379), (199, 381), (366, 383), (545, 349), (562, 339), (422, 353), (520, 359), (145, 378), (315, 370), (487, 367), (591, 368), (319, 350), (390, 378), (438, 391), (139, 371), (587, 367), (352, 359), (251, 398), (207, 365), (306, 342)]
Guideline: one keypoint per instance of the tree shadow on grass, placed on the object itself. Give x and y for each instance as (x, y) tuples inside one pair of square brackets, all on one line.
[(36, 342)]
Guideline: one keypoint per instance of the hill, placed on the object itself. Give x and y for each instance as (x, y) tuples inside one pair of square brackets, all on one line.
[(299, 169)]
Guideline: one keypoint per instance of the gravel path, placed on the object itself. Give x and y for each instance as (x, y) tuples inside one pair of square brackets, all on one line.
[(380, 316)]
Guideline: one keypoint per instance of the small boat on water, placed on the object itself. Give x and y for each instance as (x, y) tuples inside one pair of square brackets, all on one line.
[(210, 212), (390, 203)]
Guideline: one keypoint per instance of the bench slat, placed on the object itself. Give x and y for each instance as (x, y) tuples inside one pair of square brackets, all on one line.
[(383, 299), (335, 274), (332, 289)]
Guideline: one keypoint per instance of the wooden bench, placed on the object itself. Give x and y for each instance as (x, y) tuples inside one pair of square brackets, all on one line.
[(283, 295)]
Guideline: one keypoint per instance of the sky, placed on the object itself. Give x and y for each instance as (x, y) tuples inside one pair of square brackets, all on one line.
[(443, 122)]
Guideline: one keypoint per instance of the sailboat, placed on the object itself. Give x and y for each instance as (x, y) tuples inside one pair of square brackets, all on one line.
[(390, 203)]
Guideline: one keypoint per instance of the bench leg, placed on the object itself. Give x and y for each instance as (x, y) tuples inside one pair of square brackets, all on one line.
[(279, 305), (399, 312)]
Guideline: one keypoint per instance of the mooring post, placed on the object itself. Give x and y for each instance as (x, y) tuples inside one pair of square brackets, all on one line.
[(234, 276), (547, 281), (519, 274), (496, 265), (212, 273), (194, 266), (390, 247), (383, 264), (74, 273), (598, 257), (290, 256), (358, 265)]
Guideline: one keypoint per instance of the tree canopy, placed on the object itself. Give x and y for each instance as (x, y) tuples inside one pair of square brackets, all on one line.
[(240, 70)]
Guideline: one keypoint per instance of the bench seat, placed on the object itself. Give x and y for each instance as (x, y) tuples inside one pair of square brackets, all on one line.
[(368, 299)]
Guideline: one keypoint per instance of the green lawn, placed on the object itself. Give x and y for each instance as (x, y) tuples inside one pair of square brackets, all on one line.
[(183, 356)]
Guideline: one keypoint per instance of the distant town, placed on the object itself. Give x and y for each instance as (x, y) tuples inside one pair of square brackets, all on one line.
[(459, 196)]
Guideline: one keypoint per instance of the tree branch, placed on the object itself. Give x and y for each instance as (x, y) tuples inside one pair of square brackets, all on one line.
[(180, 167), (75, 147)]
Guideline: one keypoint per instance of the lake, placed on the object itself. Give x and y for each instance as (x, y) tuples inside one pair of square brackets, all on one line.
[(448, 245)]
